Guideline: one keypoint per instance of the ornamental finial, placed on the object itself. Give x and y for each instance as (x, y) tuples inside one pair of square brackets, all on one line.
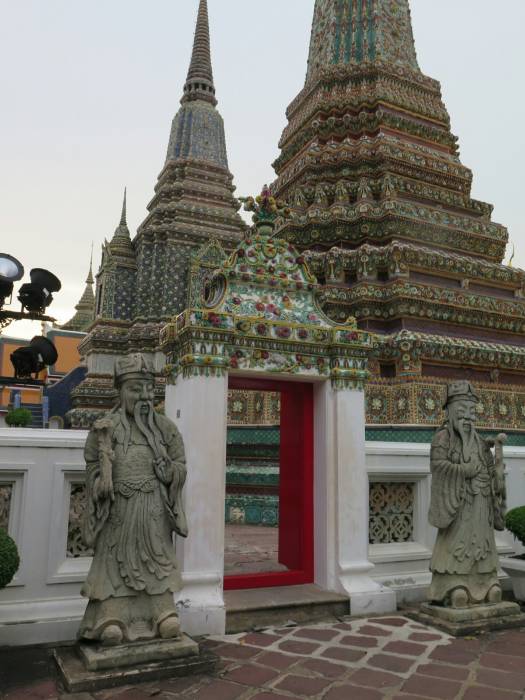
[(123, 221), (199, 83), (90, 279), (266, 209)]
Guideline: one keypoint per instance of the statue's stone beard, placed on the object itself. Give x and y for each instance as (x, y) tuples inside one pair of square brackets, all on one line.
[(467, 436), (144, 417)]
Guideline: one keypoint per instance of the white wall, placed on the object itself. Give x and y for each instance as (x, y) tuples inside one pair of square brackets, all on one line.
[(43, 602)]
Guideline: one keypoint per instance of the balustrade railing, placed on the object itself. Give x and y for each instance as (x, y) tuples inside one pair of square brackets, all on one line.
[(42, 501)]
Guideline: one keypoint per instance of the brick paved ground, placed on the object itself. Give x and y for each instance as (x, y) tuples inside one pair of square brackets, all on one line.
[(367, 659)]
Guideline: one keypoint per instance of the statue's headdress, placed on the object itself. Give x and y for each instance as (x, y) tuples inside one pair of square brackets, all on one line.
[(134, 366), (460, 391)]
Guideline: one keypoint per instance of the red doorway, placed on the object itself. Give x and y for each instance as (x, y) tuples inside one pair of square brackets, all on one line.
[(295, 538)]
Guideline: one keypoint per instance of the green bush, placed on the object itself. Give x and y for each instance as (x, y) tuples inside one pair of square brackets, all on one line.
[(9, 559), (19, 417), (515, 523)]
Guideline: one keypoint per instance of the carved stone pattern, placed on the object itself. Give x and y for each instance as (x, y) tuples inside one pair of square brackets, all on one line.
[(77, 505), (391, 512), (6, 492)]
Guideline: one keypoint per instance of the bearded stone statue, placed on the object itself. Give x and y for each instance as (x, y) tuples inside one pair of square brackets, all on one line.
[(467, 504), (135, 473)]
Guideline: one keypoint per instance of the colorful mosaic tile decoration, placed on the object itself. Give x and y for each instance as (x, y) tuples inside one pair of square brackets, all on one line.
[(383, 213), (260, 312)]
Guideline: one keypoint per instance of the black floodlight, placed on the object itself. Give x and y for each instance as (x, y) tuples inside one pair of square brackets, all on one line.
[(11, 270), (33, 358), (35, 296)]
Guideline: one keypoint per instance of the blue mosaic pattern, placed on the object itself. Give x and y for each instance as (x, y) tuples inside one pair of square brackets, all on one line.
[(253, 436), (197, 132)]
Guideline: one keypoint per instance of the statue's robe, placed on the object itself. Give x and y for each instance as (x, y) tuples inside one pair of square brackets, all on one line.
[(134, 571), (465, 507)]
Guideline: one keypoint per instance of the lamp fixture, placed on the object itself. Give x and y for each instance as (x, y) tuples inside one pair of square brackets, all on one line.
[(11, 270), (33, 358), (36, 296)]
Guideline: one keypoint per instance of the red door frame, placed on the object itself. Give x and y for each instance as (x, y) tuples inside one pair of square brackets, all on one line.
[(296, 486)]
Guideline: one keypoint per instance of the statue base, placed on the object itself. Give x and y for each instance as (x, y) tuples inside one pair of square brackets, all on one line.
[(92, 667), (475, 618)]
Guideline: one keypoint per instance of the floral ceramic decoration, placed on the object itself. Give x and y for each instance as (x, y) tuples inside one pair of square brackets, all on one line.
[(268, 317)]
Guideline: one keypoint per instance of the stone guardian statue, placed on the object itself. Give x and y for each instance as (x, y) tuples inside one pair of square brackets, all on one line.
[(468, 503), (135, 473)]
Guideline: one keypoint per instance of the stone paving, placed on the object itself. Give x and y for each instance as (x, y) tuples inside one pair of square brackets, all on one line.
[(365, 659), (251, 549)]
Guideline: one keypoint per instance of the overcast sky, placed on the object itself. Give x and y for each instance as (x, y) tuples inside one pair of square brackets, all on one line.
[(89, 88)]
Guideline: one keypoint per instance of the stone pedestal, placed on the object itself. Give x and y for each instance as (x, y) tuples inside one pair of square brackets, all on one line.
[(476, 618), (91, 667)]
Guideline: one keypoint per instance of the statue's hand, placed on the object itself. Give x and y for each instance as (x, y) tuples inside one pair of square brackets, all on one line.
[(104, 489), (470, 468), (162, 469)]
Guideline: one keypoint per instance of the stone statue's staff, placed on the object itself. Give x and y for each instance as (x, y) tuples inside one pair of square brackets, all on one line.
[(499, 486), (106, 462)]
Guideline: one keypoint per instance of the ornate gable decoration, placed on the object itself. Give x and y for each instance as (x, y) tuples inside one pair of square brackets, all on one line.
[(203, 263), (259, 312)]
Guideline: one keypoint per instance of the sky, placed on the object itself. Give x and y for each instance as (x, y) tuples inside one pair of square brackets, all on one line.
[(88, 90)]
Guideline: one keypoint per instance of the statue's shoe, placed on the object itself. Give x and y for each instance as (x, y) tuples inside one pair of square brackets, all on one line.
[(111, 636), (459, 598), (495, 595), (169, 628)]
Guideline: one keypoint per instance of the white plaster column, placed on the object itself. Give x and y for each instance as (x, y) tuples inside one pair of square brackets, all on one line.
[(198, 405), (341, 501)]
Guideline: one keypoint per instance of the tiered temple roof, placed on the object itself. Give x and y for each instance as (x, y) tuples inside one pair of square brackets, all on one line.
[(143, 282), (383, 207), (193, 198)]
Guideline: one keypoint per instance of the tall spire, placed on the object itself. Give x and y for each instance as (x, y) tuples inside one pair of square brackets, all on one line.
[(123, 221), (90, 279), (197, 131), (85, 309), (199, 83), (122, 231), (120, 245), (352, 32)]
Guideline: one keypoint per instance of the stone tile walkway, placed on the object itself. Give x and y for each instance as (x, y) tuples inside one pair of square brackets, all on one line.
[(366, 659)]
